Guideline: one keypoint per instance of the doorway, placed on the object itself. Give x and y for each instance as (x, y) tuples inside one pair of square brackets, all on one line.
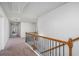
[(14, 29)]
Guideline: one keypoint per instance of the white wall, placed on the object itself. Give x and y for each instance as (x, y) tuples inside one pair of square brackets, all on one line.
[(0, 33), (26, 27), (61, 23), (4, 29)]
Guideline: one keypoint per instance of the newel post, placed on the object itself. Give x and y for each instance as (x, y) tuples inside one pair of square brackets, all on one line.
[(34, 46), (70, 45)]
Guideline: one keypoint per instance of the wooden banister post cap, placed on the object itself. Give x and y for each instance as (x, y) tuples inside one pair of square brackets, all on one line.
[(70, 42)]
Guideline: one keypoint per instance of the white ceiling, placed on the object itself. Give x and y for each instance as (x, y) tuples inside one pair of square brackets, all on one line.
[(28, 11)]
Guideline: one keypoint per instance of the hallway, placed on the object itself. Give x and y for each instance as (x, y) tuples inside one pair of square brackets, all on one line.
[(51, 28), (16, 47)]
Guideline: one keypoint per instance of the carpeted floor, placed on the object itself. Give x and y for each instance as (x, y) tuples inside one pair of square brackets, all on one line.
[(17, 47)]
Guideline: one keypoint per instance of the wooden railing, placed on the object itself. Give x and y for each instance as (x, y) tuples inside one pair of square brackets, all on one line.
[(54, 45)]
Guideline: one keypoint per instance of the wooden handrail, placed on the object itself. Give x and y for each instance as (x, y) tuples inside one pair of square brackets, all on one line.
[(58, 40), (59, 46), (75, 39), (69, 42), (36, 35)]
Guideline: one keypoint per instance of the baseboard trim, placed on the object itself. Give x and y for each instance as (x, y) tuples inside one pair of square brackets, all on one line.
[(32, 49)]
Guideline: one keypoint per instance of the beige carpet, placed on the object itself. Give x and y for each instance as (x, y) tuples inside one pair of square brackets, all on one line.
[(16, 47)]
